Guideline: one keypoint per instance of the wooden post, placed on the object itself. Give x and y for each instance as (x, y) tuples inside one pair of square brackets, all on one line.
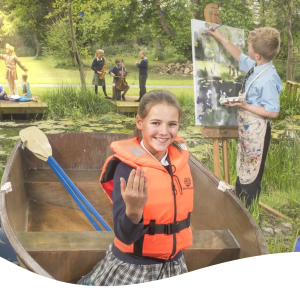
[(224, 133)]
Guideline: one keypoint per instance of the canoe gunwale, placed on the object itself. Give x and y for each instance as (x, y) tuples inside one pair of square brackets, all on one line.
[(260, 239), (21, 253)]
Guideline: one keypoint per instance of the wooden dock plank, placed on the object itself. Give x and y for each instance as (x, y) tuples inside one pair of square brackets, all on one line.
[(128, 106), (32, 107)]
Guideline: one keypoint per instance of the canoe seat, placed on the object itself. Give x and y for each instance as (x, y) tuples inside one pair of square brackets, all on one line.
[(69, 255)]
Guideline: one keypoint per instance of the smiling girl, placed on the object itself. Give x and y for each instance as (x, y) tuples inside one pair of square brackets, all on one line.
[(149, 182)]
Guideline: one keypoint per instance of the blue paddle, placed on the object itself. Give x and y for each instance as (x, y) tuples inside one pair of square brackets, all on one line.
[(37, 142)]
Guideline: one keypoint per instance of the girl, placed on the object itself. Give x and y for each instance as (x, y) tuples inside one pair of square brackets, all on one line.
[(98, 65), (26, 93), (148, 179)]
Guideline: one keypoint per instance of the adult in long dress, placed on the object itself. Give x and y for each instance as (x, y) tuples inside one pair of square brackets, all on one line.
[(11, 60)]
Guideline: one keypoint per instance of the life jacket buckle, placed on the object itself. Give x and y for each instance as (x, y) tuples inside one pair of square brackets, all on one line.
[(171, 228)]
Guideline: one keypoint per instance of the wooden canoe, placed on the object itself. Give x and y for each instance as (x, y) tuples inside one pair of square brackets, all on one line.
[(53, 238)]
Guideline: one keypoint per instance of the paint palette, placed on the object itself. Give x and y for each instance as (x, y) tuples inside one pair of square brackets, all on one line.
[(226, 100)]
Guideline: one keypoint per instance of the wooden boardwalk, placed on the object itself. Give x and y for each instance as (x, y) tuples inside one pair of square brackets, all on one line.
[(23, 108), (38, 107), (128, 106)]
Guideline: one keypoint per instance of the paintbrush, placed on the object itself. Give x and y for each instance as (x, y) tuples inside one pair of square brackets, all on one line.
[(213, 29)]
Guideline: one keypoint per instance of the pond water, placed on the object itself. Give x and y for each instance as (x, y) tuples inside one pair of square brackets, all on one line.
[(9, 132), (113, 122)]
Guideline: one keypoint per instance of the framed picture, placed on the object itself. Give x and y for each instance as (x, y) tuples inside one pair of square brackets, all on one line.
[(217, 78)]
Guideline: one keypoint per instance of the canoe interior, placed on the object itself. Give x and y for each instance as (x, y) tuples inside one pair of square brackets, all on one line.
[(52, 236)]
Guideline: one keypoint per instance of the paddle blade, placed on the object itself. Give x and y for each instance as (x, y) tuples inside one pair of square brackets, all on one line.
[(36, 141)]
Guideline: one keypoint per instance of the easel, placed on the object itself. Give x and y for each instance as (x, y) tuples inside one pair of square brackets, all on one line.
[(212, 14)]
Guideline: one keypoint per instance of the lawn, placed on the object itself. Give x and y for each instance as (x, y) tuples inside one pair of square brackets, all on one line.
[(43, 71)]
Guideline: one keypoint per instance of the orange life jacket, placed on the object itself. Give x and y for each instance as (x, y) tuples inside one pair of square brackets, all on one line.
[(170, 202)]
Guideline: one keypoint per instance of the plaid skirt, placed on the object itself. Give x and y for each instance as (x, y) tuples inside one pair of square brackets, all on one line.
[(112, 272), (97, 80)]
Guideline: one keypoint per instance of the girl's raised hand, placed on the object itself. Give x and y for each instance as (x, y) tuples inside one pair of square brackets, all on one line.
[(135, 194)]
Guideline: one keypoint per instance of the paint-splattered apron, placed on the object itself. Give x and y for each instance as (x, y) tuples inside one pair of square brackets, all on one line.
[(252, 130)]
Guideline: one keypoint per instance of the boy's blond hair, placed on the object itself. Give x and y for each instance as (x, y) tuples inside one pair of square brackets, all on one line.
[(143, 52), (265, 41)]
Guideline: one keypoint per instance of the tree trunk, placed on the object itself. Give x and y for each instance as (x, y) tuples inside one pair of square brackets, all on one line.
[(288, 28), (163, 21), (37, 44), (196, 12), (134, 41), (74, 46)]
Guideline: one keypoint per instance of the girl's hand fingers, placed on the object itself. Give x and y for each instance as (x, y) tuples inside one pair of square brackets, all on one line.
[(123, 185), (142, 181), (131, 179), (145, 186), (136, 181)]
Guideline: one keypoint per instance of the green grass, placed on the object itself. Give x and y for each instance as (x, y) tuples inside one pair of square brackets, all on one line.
[(43, 71)]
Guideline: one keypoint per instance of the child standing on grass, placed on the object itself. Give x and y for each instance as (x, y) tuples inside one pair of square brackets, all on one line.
[(259, 101), (149, 181), (99, 65)]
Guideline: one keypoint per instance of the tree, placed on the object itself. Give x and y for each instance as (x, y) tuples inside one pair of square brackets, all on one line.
[(19, 15)]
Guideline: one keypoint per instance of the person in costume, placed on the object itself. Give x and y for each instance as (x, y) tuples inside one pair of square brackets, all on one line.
[(26, 93), (149, 182), (3, 95), (11, 60), (258, 102), (114, 72), (143, 74), (99, 65)]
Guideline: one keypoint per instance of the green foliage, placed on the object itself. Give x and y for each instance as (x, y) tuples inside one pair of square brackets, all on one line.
[(202, 73), (74, 102), (58, 44), (188, 110), (226, 76), (288, 106)]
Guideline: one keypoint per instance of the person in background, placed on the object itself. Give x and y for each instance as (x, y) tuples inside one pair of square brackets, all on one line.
[(143, 74), (11, 60), (26, 93), (149, 182), (114, 72), (99, 65), (3, 95), (258, 102)]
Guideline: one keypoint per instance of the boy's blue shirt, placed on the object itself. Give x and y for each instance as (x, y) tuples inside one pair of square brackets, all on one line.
[(265, 90)]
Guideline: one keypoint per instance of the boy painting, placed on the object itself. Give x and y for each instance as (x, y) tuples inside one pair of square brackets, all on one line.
[(260, 102), (11, 72)]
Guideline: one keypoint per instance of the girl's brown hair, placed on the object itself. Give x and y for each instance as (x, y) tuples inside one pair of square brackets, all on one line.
[(153, 98)]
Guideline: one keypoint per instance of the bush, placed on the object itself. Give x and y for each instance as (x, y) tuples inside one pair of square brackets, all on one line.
[(66, 101), (188, 110), (288, 106), (202, 73)]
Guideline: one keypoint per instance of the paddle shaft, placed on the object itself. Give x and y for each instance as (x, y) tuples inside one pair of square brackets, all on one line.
[(84, 210), (77, 191)]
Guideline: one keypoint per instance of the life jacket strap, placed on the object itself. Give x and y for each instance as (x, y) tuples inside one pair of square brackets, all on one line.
[(153, 228), (168, 229)]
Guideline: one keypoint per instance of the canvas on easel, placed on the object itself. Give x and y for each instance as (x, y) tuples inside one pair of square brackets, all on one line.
[(216, 74)]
